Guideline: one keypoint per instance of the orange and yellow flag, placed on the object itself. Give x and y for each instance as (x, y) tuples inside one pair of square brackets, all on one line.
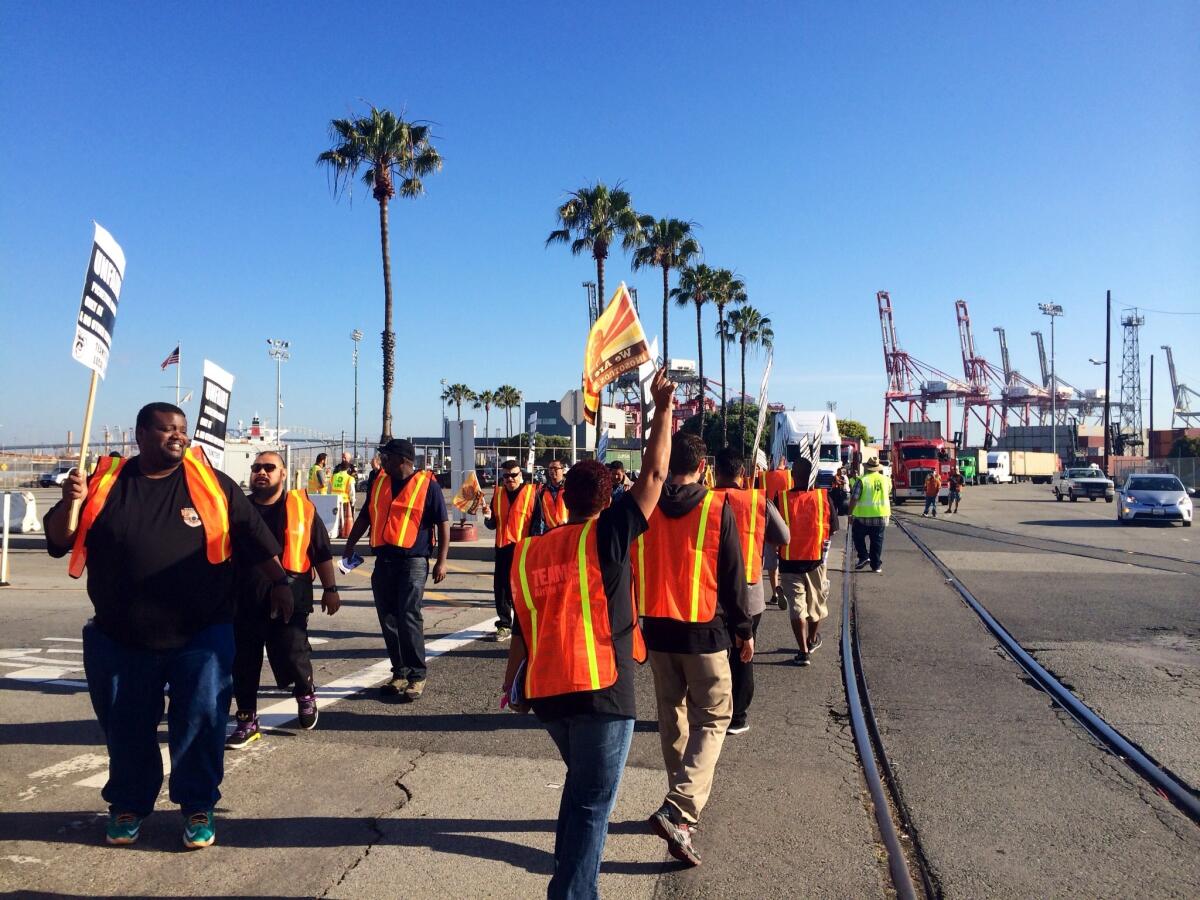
[(615, 345)]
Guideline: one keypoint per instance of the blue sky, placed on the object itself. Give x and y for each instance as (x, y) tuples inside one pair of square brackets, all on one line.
[(1004, 153)]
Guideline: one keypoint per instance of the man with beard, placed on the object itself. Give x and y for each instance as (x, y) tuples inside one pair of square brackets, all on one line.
[(157, 535), (290, 516), (552, 499)]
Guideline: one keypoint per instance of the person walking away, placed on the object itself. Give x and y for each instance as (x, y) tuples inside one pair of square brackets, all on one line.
[(291, 518), (758, 524), (574, 605), (511, 516), (933, 484), (839, 493), (811, 520), (691, 586), (551, 499), (404, 508), (870, 514), (157, 535), (318, 482), (773, 483), (956, 487)]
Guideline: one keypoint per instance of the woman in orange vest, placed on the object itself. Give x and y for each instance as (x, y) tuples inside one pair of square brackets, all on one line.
[(576, 639), (291, 517), (511, 515), (157, 534)]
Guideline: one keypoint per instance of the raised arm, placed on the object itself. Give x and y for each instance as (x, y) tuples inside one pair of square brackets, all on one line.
[(647, 489)]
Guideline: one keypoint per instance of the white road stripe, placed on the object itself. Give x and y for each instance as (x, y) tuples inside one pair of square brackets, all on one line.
[(280, 714), (67, 640)]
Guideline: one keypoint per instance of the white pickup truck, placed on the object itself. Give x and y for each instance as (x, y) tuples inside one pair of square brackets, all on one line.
[(1071, 484)]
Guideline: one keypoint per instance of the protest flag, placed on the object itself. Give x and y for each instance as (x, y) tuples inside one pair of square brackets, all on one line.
[(615, 345), (469, 496)]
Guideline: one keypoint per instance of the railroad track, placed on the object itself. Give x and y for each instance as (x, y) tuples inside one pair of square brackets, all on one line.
[(907, 866)]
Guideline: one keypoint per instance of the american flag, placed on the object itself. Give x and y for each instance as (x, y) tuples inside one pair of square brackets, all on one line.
[(172, 359)]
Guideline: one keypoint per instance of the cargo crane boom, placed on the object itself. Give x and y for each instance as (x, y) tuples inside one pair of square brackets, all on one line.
[(1181, 395)]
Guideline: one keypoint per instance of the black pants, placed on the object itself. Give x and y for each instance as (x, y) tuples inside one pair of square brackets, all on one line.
[(399, 587), (288, 652), (501, 587), (743, 680), (865, 535)]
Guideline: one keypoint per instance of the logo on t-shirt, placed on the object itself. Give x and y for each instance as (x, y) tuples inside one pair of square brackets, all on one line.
[(191, 518)]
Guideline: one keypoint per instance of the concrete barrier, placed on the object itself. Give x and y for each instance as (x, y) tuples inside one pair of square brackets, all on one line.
[(23, 515)]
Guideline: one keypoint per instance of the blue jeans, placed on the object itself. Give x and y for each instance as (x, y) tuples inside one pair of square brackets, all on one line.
[(594, 747), (398, 586), (127, 685), (930, 505), (864, 535)]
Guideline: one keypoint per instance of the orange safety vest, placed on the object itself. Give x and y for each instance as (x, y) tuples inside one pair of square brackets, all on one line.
[(554, 508), (775, 482), (806, 514), (674, 565), (395, 521), (514, 527), (750, 511), (298, 513), (563, 610), (205, 491)]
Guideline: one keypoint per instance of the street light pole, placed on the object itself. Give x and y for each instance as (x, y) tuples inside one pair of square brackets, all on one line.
[(279, 352), (1053, 310), (356, 336)]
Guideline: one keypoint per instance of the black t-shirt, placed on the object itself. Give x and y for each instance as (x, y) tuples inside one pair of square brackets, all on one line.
[(433, 515), (616, 529), (253, 589), (148, 573)]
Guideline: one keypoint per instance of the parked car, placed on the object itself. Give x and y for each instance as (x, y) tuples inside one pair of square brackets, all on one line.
[(487, 478), (54, 478), (1090, 482), (1156, 498)]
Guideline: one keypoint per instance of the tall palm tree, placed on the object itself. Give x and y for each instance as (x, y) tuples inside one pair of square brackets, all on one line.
[(749, 328), (592, 218), (458, 394), (696, 285), (485, 400), (508, 398), (396, 155), (668, 244), (727, 290)]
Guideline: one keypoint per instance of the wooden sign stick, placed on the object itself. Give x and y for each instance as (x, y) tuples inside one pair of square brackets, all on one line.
[(73, 521)]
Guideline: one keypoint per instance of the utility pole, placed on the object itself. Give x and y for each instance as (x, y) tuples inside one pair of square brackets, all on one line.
[(1053, 310), (279, 352), (1151, 401), (1107, 377), (356, 336)]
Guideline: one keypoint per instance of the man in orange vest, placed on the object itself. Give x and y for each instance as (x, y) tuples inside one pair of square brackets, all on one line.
[(811, 519), (774, 482), (759, 524), (403, 509), (511, 515), (573, 590), (290, 516), (691, 584), (551, 502), (157, 534)]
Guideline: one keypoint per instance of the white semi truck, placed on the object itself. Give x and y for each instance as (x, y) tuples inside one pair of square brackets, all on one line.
[(790, 427)]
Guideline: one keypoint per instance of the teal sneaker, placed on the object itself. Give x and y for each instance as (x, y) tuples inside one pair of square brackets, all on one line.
[(200, 830), (123, 829)]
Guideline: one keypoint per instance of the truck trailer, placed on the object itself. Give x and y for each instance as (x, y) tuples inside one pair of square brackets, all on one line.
[(1030, 465), (790, 427)]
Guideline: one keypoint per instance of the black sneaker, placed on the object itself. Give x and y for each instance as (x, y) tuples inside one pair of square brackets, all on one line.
[(306, 711), (678, 835), (737, 728), (878, 571), (245, 732), (815, 644), (862, 564), (779, 599), (395, 687), (502, 634), (800, 659)]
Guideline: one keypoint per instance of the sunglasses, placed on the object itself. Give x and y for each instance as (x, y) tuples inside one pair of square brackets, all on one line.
[(513, 477), (263, 467)]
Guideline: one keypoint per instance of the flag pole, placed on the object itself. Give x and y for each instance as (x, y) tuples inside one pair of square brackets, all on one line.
[(178, 366), (73, 520)]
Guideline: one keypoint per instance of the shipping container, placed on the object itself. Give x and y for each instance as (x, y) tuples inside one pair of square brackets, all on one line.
[(1028, 465)]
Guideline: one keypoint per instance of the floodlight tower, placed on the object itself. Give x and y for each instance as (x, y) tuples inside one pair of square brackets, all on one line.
[(278, 351), (1053, 310), (1131, 381)]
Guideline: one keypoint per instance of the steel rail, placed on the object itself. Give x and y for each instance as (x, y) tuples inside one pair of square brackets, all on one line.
[(855, 691), (1177, 791)]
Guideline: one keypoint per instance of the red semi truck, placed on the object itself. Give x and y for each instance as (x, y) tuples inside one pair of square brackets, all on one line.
[(913, 459)]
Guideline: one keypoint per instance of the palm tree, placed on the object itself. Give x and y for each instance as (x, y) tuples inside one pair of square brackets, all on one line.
[(696, 284), (485, 400), (668, 244), (458, 394), (728, 289), (508, 398), (749, 328), (390, 150), (591, 219)]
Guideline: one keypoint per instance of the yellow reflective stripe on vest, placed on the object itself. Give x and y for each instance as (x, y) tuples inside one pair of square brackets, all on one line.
[(219, 499), (641, 567), (698, 561), (531, 639), (585, 602), (753, 526), (408, 511)]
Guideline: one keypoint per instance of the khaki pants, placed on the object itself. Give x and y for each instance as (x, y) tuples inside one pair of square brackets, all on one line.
[(807, 593), (695, 703)]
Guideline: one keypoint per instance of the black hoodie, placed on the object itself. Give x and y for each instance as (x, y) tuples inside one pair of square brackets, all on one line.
[(732, 616)]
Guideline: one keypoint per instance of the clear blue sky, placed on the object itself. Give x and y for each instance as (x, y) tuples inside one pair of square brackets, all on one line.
[(1007, 154)]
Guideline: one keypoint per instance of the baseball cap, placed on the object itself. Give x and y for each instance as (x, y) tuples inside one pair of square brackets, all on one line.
[(399, 447)]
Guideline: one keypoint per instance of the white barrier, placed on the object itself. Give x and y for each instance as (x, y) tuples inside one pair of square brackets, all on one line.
[(327, 506)]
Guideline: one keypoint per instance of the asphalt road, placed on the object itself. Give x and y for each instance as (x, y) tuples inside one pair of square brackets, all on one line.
[(450, 797)]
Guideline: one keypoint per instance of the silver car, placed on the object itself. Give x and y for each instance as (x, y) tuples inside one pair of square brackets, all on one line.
[(1155, 498)]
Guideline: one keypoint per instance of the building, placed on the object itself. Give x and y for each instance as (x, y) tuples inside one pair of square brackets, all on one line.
[(551, 423)]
